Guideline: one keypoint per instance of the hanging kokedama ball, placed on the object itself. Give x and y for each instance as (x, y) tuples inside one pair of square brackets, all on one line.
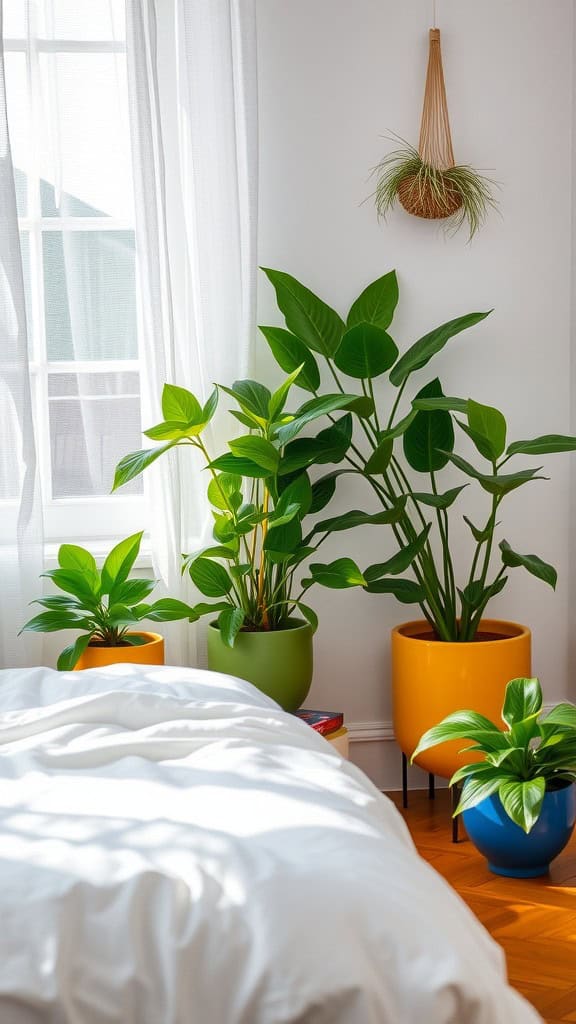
[(427, 181)]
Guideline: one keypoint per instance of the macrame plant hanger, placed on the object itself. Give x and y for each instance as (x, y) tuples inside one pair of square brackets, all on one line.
[(435, 144)]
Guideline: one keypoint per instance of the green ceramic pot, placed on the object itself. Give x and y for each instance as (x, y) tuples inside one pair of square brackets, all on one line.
[(278, 662)]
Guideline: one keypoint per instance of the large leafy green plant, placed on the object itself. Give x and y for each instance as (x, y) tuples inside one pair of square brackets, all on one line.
[(419, 514), (260, 495), (105, 605), (520, 763)]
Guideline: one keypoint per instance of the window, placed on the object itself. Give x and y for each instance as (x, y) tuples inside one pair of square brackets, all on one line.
[(68, 120)]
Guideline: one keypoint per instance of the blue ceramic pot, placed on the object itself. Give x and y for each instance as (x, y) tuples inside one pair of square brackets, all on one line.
[(507, 848)]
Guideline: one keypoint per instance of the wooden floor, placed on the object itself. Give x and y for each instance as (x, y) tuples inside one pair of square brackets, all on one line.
[(533, 919)]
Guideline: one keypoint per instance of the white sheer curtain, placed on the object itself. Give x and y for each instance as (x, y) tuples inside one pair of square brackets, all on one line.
[(20, 505), (192, 83)]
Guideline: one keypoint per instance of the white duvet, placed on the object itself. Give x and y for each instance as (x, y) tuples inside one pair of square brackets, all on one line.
[(174, 849)]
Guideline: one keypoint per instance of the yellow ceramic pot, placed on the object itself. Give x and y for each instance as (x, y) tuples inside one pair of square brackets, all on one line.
[(431, 678), (150, 653)]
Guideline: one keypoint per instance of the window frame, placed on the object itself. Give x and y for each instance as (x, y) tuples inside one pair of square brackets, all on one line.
[(94, 520)]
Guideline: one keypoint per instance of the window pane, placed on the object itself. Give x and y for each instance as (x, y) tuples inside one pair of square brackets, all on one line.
[(94, 422), (14, 19), (19, 122), (89, 295), (85, 166), (81, 19)]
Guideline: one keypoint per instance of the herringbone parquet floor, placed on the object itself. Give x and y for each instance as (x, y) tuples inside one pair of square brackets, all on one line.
[(533, 919)]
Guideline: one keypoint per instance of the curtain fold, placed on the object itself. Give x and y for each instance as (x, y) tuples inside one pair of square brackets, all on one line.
[(21, 541), (192, 86)]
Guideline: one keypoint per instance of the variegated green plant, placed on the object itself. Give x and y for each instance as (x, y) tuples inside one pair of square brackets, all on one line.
[(522, 762)]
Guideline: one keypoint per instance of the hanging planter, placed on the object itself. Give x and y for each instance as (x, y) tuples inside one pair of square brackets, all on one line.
[(427, 181)]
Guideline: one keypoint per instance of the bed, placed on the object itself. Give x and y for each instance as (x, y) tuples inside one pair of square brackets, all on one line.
[(175, 849)]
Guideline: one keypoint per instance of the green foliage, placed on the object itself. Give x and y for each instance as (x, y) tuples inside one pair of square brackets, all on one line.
[(531, 756), (105, 605), (376, 438)]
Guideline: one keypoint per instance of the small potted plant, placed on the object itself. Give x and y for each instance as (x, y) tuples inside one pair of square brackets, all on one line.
[(518, 802), (105, 606), (454, 654), (260, 494)]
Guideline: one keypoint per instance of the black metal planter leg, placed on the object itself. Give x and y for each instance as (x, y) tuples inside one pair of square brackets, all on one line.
[(404, 780), (455, 821), (431, 787)]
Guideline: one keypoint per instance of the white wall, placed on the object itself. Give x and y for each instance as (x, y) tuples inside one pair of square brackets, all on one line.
[(334, 76)]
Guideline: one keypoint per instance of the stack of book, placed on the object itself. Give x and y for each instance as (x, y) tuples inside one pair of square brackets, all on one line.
[(325, 722)]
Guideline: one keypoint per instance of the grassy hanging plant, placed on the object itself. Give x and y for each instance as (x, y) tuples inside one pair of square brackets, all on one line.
[(458, 192), (427, 181)]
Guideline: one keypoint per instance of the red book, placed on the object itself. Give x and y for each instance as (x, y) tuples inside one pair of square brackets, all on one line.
[(323, 722)]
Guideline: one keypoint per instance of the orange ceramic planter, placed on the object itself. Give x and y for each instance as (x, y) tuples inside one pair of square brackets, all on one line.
[(150, 653), (430, 679)]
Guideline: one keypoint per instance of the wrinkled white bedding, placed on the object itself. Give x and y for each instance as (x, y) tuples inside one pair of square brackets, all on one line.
[(174, 849)]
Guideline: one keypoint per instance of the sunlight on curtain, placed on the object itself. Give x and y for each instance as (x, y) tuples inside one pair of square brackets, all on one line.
[(192, 79)]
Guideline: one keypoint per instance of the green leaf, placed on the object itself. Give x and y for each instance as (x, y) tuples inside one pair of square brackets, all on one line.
[(362, 406), (523, 699), (258, 450), (120, 560), (74, 583), (70, 556), (239, 466), (210, 406), (59, 602), (230, 622), (548, 444), (488, 423), (278, 400), (252, 397), (311, 411), (223, 489), (307, 316), (563, 714), (405, 591), (171, 431), (438, 500), (377, 302), (136, 462), (284, 539), (308, 613), (457, 726), (120, 615), (480, 768), (534, 564), (167, 609), (445, 403), (297, 492), (338, 575), (480, 536), (422, 351), (522, 801), (366, 351), (324, 488), (330, 445), (400, 428), (54, 621), (180, 405), (499, 484), (349, 520), (399, 562), (72, 654), (479, 788), (380, 458), (211, 578), (131, 592), (291, 353), (430, 437)]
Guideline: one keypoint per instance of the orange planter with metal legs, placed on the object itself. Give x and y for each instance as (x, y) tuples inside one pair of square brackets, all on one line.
[(431, 678)]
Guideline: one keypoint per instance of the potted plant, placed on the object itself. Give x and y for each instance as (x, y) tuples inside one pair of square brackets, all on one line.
[(105, 605), (454, 655), (260, 495), (518, 802)]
